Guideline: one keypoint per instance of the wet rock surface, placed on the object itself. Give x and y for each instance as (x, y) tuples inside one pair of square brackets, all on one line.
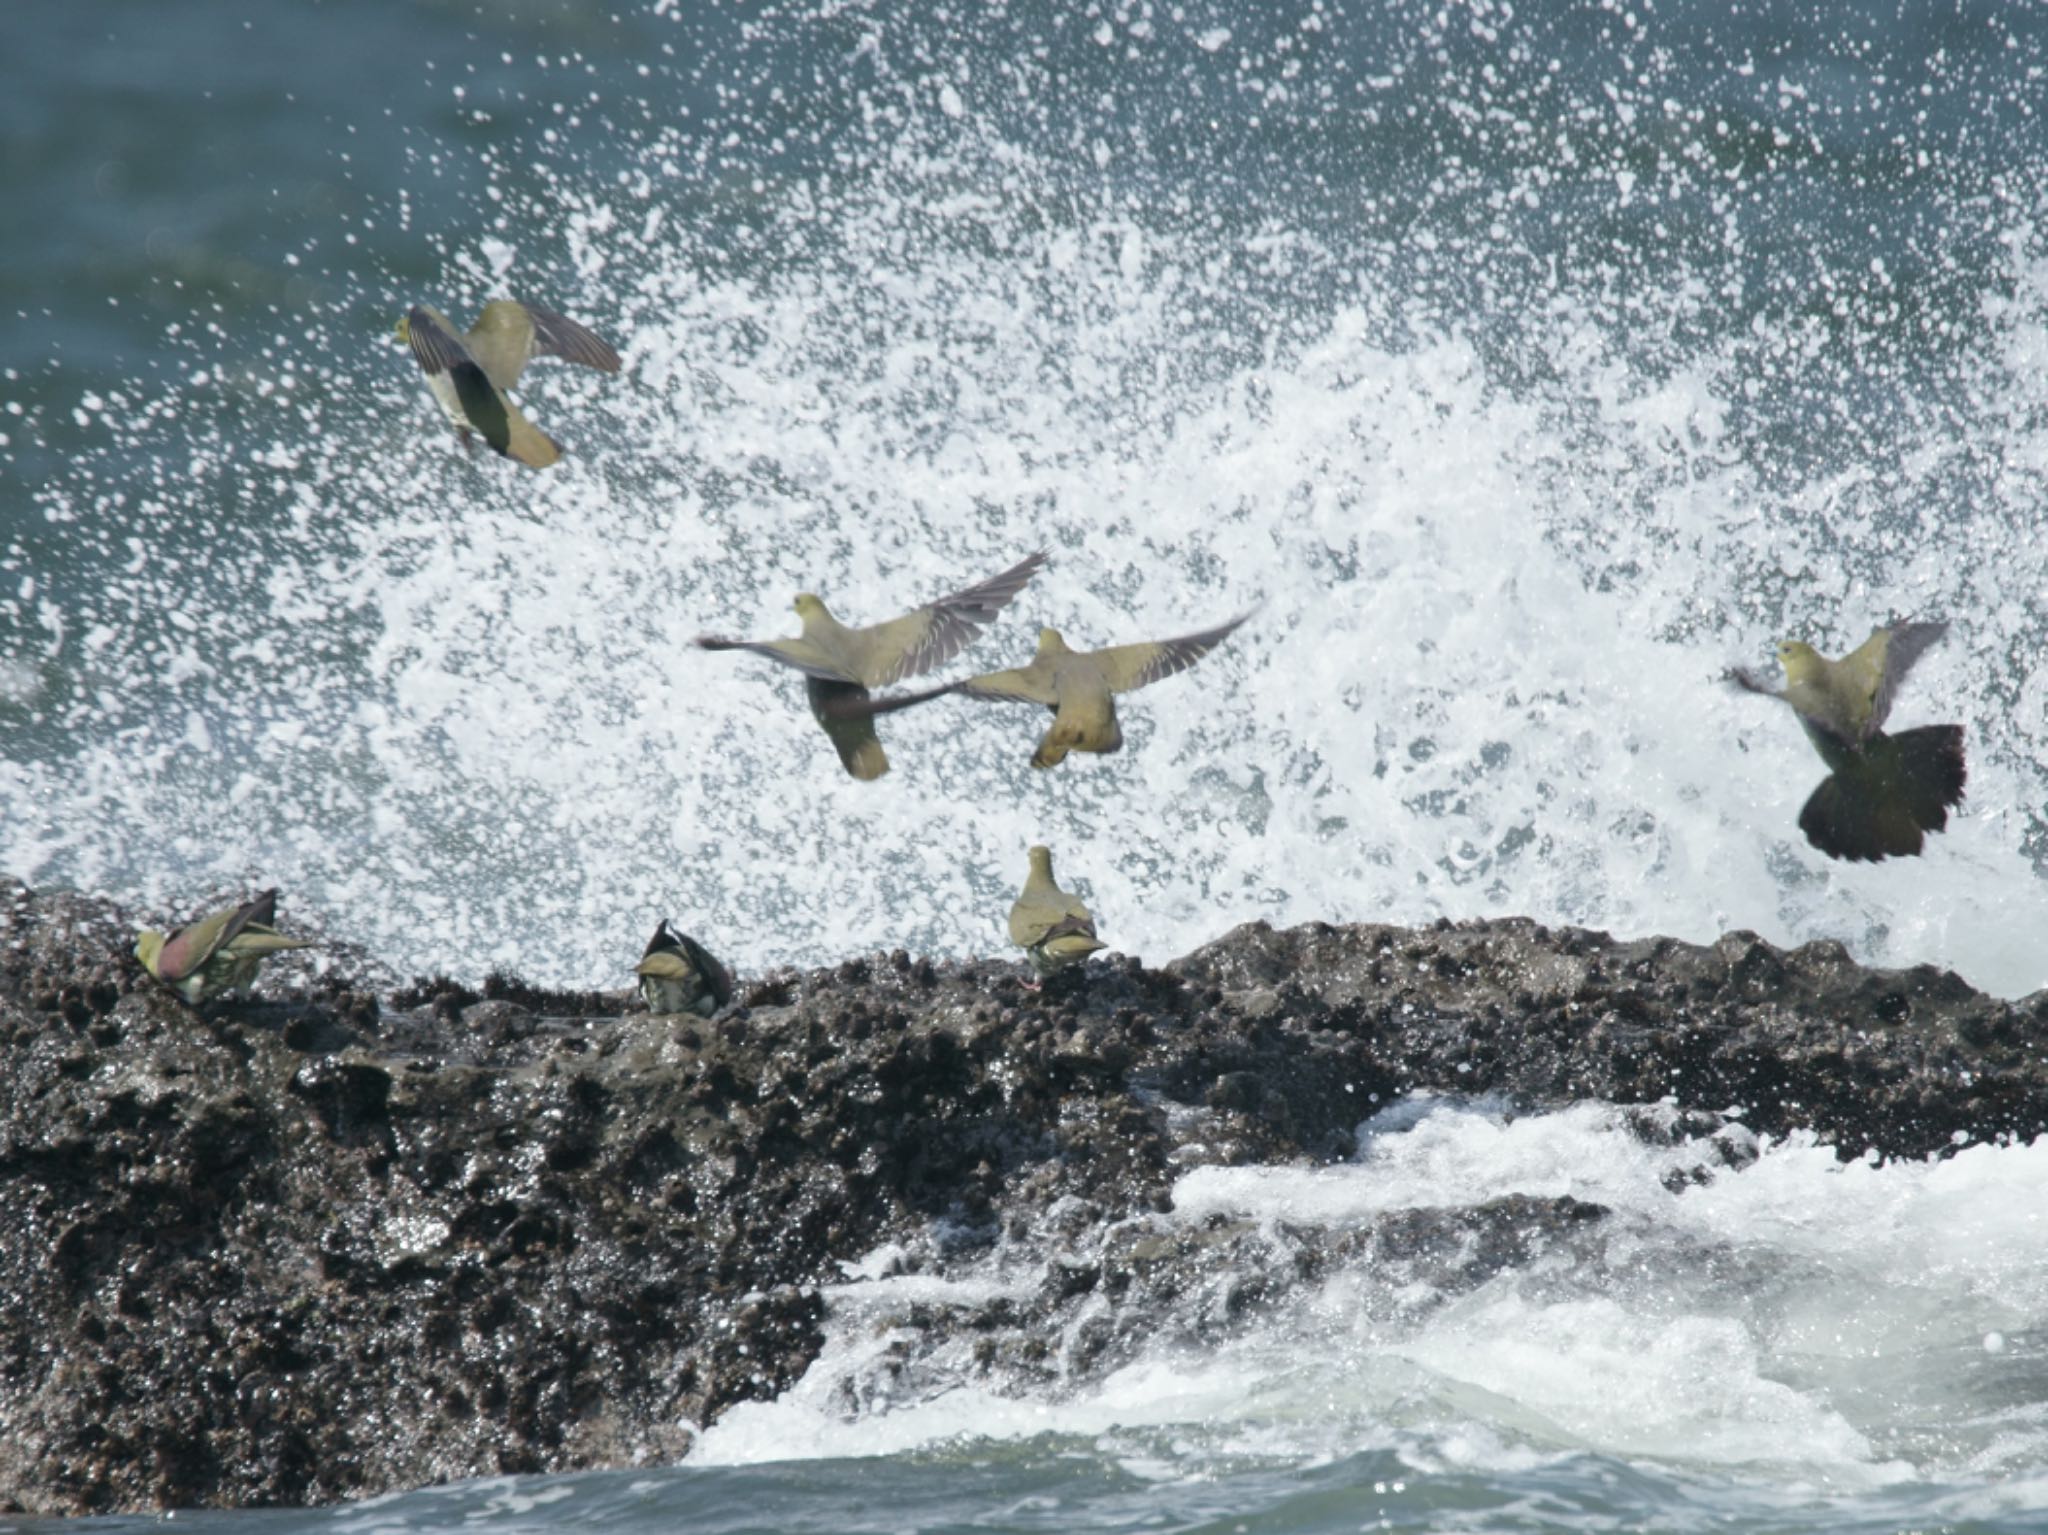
[(353, 1238)]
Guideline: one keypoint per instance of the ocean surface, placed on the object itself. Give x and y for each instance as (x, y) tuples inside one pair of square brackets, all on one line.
[(1521, 366)]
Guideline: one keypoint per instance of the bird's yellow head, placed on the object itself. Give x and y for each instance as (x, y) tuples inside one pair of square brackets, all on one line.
[(1041, 861), (809, 607), (149, 943), (1799, 659), (404, 330), (1050, 643)]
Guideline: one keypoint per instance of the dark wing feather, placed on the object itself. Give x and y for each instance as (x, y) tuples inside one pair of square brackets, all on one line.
[(1126, 667), (865, 706), (436, 349), (1069, 926), (192, 946), (1906, 644), (715, 975), (662, 939), (940, 630), (559, 336)]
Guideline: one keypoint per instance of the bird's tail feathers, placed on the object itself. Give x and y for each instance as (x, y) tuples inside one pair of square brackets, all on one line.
[(1071, 938), (1883, 802), (1050, 753), (1933, 771)]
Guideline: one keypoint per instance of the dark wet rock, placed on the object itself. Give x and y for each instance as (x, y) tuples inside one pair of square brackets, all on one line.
[(315, 1247)]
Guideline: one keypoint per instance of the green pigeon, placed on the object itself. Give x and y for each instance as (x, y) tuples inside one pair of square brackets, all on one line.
[(470, 373), (1883, 792), (1053, 929), (219, 954), (678, 975), (840, 664), (1078, 686)]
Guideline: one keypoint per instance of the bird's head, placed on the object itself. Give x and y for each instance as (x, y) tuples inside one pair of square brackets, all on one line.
[(149, 943), (1799, 659), (1050, 643), (404, 330), (1041, 861), (809, 607)]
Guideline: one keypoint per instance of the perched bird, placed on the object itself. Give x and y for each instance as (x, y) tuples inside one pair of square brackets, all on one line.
[(678, 975), (1079, 686), (218, 954), (840, 664), (1053, 929), (1883, 792), (470, 373)]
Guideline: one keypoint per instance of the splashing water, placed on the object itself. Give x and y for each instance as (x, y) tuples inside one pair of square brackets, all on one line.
[(1524, 371)]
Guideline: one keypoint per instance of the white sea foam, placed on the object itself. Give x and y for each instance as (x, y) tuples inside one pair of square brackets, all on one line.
[(1817, 1321), (1436, 709)]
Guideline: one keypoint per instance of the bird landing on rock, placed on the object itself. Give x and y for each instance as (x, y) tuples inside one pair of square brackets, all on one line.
[(678, 975), (219, 954), (1054, 929), (1884, 792)]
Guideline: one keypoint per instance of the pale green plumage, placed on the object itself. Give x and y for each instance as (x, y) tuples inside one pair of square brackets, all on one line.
[(469, 373), (1884, 791), (1053, 928), (841, 662), (219, 954), (1078, 686)]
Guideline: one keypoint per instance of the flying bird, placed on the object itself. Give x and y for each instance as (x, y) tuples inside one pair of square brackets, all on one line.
[(840, 663), (1078, 686), (1053, 928), (678, 975), (219, 954), (1883, 793), (470, 373)]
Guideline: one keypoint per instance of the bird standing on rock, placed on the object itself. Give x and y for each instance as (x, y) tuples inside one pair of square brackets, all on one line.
[(470, 373), (678, 975), (1053, 928), (840, 663), (1079, 686), (1884, 792), (220, 953)]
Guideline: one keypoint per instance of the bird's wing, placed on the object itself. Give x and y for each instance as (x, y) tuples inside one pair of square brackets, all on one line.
[(662, 940), (192, 946), (556, 335), (1743, 677), (801, 654), (1897, 649), (1037, 920), (502, 340), (1031, 684), (1076, 923), (938, 631), (714, 975), (437, 349), (1125, 667)]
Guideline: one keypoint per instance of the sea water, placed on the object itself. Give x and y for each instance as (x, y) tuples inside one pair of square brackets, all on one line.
[(1518, 368)]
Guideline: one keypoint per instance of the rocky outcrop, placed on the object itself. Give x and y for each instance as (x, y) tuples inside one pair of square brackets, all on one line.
[(352, 1239)]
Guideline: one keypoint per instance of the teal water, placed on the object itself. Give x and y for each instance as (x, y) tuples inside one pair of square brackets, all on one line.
[(1528, 365)]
